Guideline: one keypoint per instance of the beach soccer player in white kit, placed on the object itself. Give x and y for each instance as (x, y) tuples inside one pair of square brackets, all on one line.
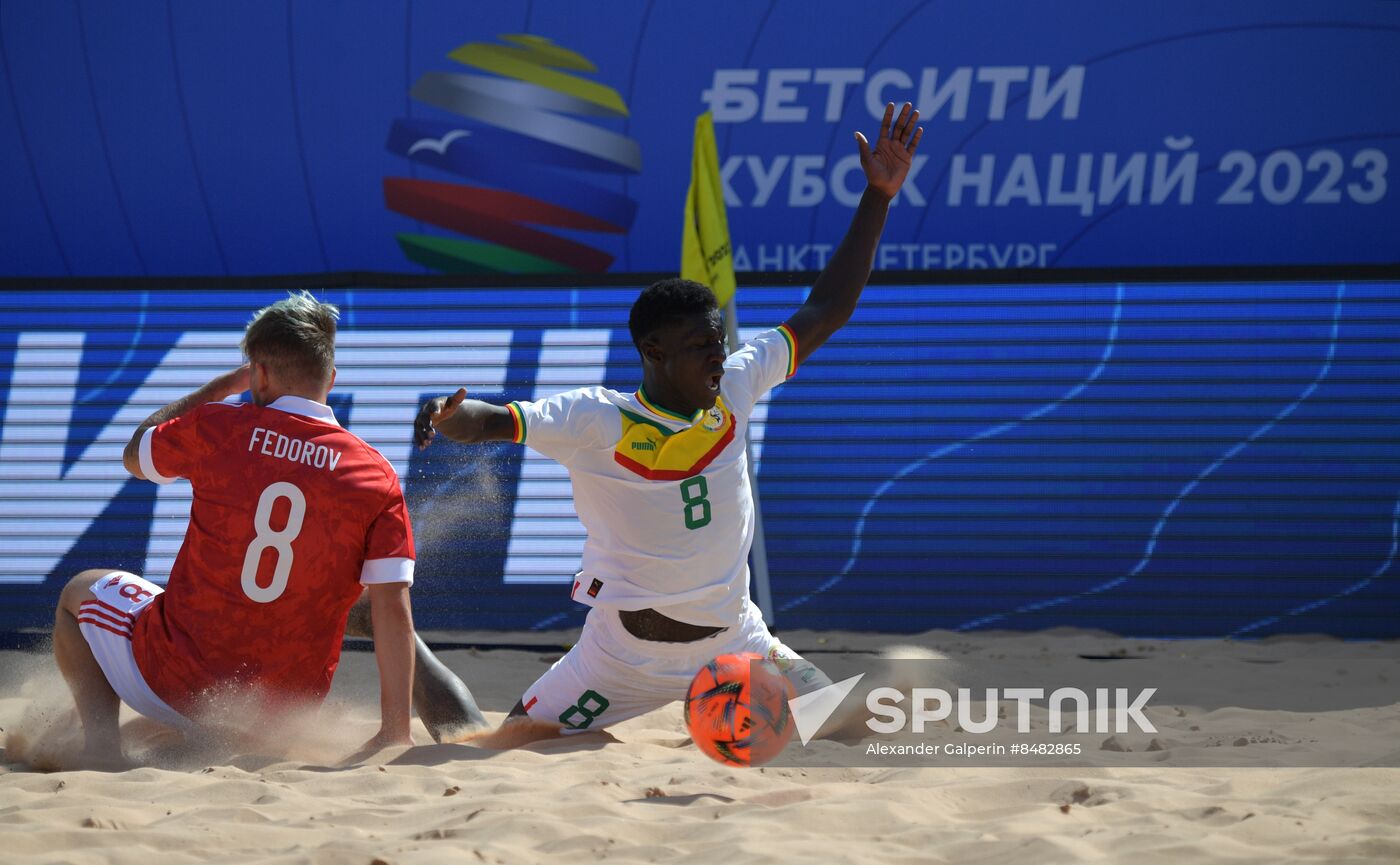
[(660, 476)]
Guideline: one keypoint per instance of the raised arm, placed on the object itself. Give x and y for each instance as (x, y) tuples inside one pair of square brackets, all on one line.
[(462, 420), (227, 385), (838, 287)]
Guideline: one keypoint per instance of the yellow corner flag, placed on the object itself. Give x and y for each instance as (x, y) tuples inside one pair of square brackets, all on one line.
[(705, 253)]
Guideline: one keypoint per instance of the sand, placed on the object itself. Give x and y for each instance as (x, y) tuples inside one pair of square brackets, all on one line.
[(642, 793)]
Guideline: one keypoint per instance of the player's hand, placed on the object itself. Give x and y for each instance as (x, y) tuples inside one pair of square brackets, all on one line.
[(234, 383), (376, 743), (887, 163), (434, 412)]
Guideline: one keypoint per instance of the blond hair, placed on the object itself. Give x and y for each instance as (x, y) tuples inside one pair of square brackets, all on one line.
[(295, 337)]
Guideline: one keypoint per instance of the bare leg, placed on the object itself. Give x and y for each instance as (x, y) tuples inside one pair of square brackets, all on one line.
[(97, 703), (442, 700)]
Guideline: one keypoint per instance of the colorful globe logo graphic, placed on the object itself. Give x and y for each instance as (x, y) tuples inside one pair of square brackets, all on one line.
[(526, 136)]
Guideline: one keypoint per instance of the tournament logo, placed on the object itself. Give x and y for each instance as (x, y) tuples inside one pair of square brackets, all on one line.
[(521, 133)]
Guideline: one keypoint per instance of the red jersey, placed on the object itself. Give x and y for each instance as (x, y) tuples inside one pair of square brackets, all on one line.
[(291, 515)]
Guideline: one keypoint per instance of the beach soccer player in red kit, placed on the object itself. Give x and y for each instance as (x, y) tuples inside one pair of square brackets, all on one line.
[(293, 519)]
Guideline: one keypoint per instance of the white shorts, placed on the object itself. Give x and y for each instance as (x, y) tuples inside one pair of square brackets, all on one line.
[(610, 676), (106, 623)]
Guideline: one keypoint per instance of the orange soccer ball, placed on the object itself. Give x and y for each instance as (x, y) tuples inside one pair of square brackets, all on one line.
[(737, 709)]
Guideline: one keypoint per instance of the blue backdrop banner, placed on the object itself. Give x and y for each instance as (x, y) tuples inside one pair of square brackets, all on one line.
[(159, 138), (1152, 459)]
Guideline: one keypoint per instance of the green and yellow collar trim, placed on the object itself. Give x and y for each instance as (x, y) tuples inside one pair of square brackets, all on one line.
[(651, 406)]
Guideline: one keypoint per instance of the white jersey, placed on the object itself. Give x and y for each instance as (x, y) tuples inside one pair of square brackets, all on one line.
[(665, 498)]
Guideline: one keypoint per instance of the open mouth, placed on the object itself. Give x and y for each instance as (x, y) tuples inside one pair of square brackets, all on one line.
[(713, 380)]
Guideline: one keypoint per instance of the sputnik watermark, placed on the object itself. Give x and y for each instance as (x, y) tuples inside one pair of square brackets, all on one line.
[(1054, 708), (936, 704), (1111, 709)]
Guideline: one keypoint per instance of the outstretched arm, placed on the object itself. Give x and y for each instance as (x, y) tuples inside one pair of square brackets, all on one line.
[(462, 420), (393, 653), (838, 287)]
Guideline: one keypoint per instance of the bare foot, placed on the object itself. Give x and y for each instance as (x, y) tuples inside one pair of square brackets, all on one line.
[(513, 733)]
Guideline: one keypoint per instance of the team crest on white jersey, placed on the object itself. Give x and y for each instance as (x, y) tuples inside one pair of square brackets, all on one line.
[(714, 418)]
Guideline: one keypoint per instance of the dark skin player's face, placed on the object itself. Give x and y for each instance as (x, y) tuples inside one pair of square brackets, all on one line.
[(683, 363)]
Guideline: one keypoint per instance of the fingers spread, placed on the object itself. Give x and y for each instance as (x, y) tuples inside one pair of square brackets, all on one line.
[(907, 130), (901, 125), (864, 148), (885, 124), (914, 142)]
